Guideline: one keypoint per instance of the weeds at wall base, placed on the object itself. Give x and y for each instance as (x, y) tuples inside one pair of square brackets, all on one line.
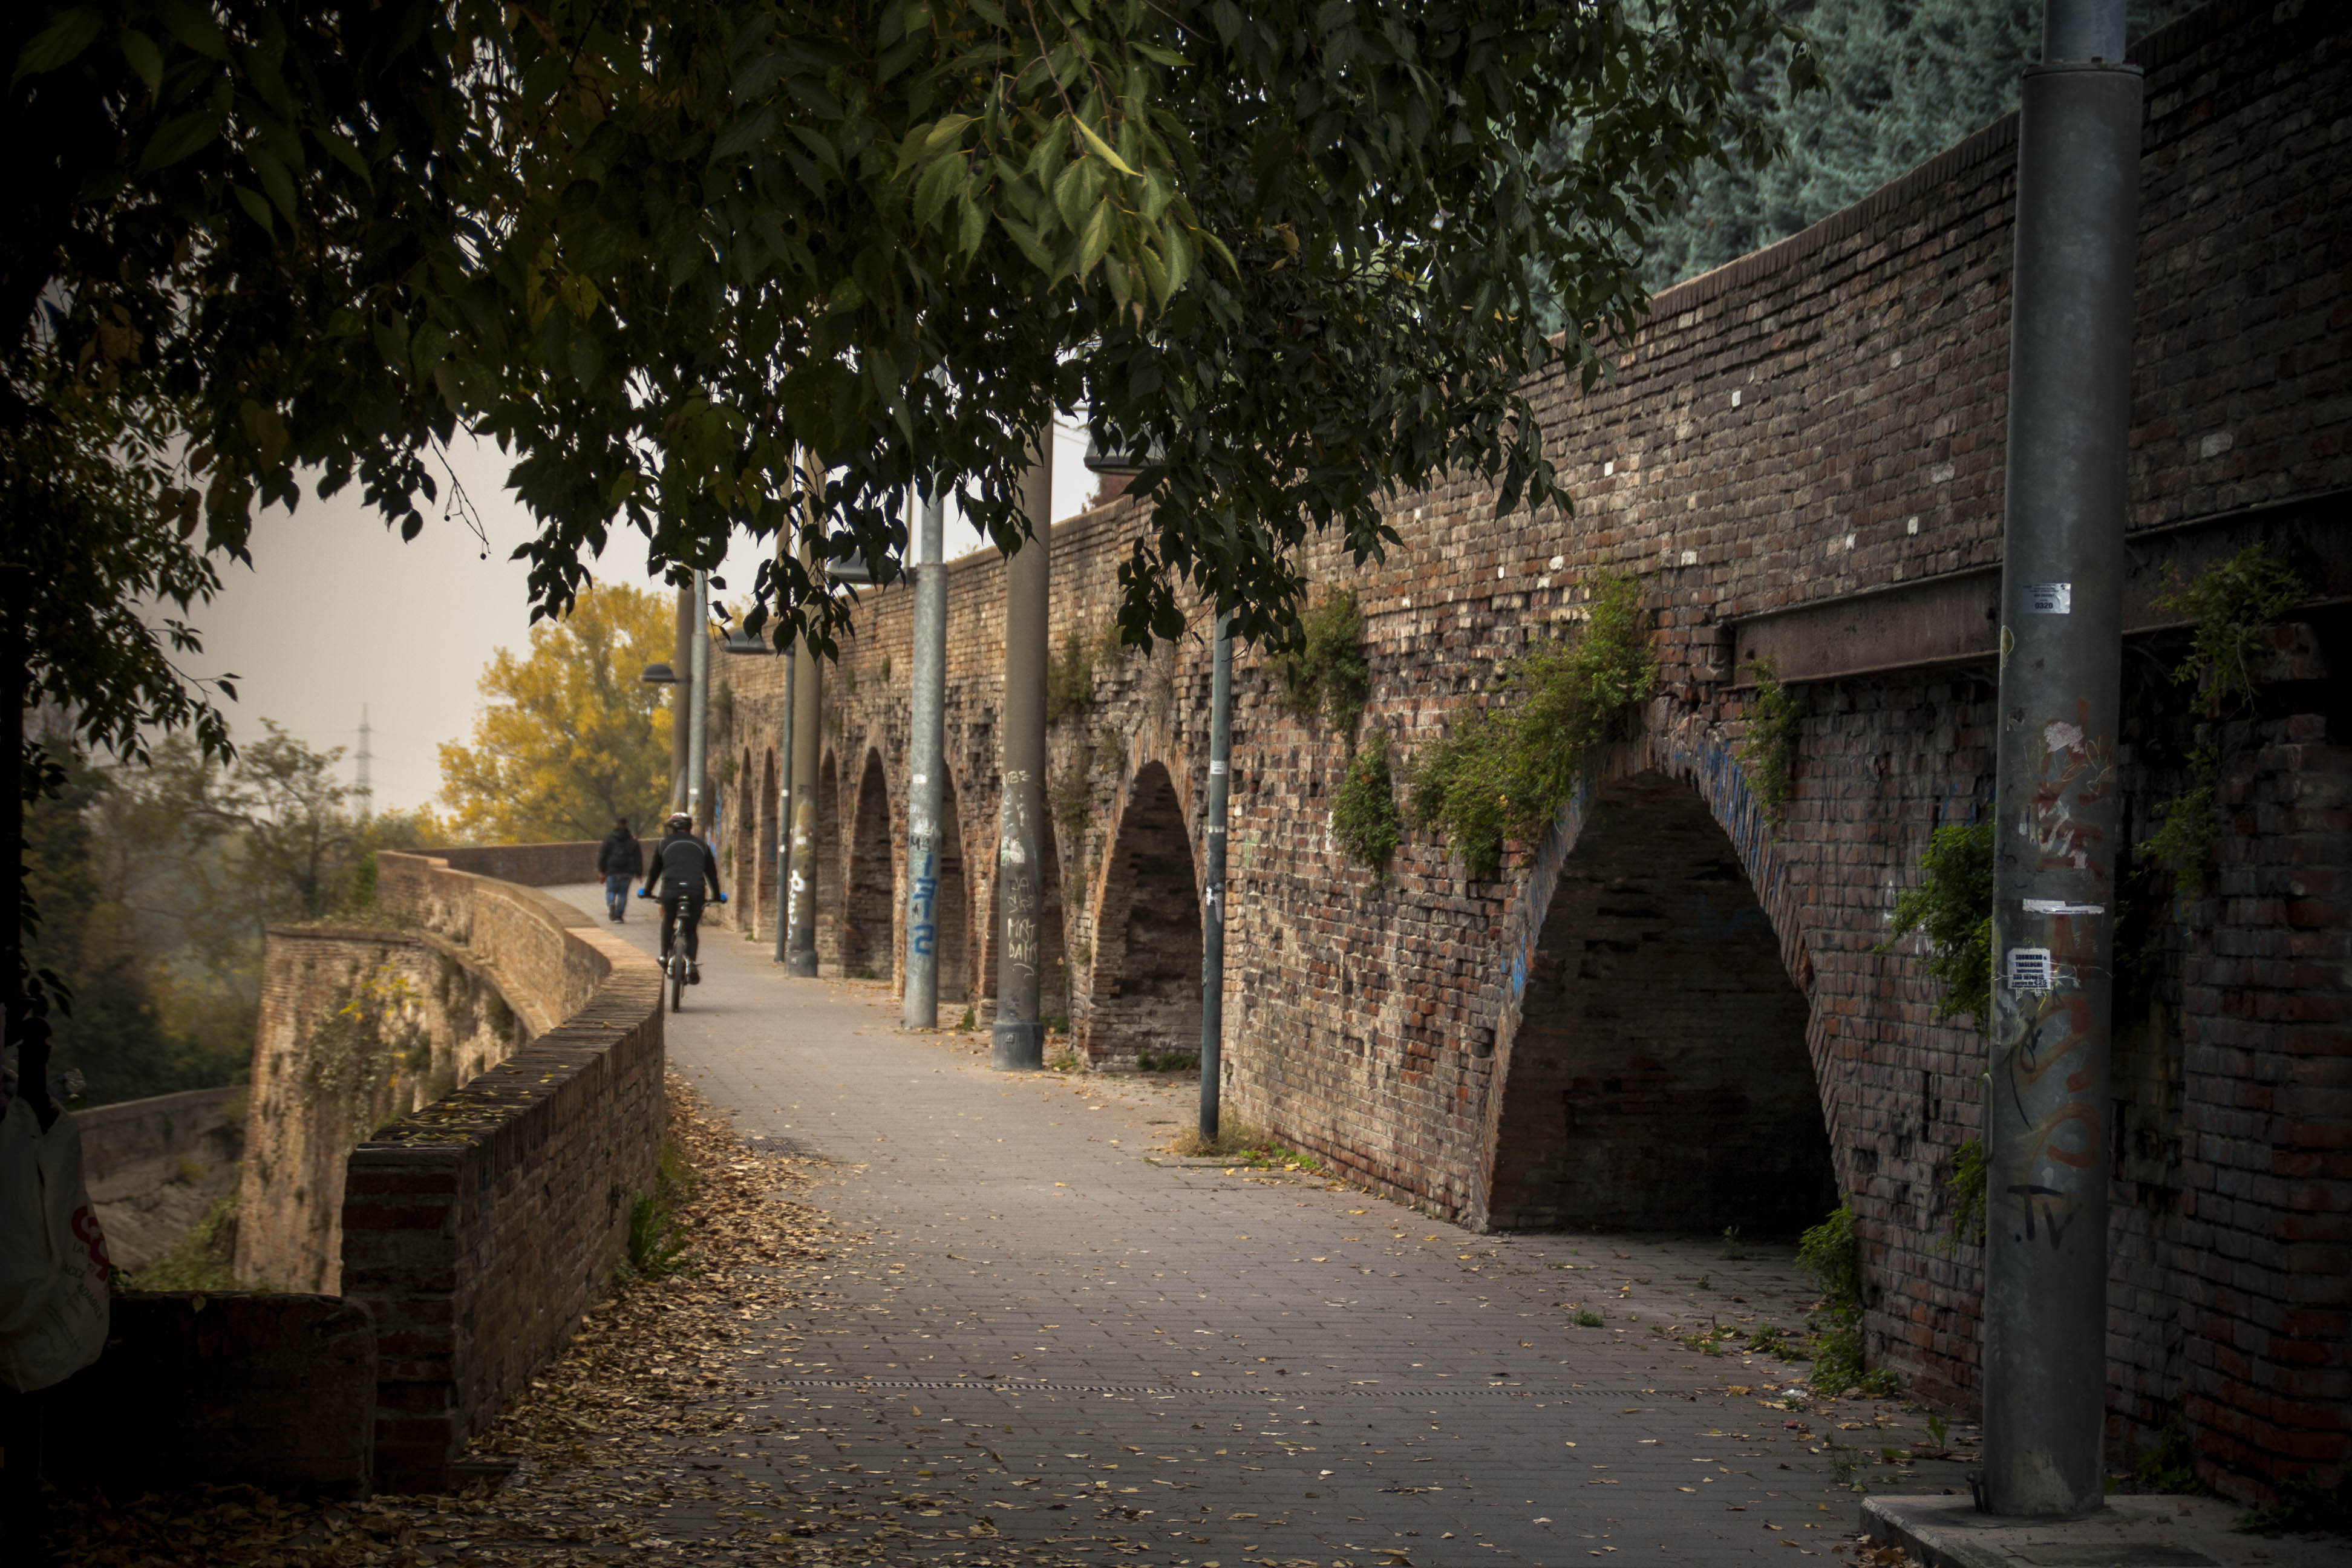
[(2304, 1507), (1246, 1146)]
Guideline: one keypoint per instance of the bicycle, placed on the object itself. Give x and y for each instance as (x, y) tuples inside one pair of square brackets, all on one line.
[(674, 963)]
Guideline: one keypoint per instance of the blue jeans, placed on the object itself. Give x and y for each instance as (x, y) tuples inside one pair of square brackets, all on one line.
[(616, 897)]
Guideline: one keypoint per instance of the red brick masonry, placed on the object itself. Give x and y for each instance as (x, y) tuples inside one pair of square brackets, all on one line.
[(477, 1230), (1815, 422)]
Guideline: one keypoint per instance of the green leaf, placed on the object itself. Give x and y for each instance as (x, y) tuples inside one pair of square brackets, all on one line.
[(1070, 194), (275, 180), (946, 132), (939, 183), (194, 27), (58, 43), (256, 208), (146, 60), (747, 132), (1096, 239), (340, 148), (973, 226), (182, 136), (1027, 239), (1102, 149)]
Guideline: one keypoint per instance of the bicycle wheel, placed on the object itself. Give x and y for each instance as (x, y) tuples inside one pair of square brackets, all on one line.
[(676, 983)]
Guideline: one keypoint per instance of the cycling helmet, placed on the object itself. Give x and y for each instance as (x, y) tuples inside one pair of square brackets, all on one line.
[(680, 821)]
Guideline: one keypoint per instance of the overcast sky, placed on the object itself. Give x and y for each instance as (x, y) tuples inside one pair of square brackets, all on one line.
[(337, 614)]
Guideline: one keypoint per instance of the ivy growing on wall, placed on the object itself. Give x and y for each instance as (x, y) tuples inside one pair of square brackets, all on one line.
[(1326, 674), (1952, 908), (1070, 671), (2229, 603), (352, 1061), (1510, 764), (1364, 816), (1831, 1253), (1769, 752), (1966, 1186)]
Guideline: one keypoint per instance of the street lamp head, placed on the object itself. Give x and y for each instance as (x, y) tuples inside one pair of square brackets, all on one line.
[(1129, 461), (743, 642), (659, 675), (845, 563)]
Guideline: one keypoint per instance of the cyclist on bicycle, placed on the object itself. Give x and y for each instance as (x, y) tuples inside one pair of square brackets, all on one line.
[(682, 864)]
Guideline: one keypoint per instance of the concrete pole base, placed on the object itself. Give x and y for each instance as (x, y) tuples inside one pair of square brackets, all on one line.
[(1016, 1047), (800, 965)]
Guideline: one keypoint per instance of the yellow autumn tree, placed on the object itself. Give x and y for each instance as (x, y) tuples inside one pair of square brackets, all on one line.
[(569, 738)]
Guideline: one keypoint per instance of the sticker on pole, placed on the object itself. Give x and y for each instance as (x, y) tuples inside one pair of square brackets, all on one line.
[(1216, 768), (2030, 969), (2060, 907), (2050, 598)]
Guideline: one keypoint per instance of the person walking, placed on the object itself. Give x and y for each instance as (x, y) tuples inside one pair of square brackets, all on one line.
[(620, 860), (682, 864)]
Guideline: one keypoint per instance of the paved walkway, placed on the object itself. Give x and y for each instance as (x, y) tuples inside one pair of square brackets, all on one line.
[(1109, 1354)]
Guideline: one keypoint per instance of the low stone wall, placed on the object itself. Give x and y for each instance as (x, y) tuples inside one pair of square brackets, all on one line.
[(272, 1391), (360, 1025), (533, 865), (477, 1230), (156, 1166)]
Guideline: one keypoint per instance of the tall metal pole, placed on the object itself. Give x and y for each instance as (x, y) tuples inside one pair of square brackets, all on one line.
[(682, 708), (808, 705), (929, 762), (1212, 901), (2055, 815), (784, 807), (697, 734), (1018, 1039)]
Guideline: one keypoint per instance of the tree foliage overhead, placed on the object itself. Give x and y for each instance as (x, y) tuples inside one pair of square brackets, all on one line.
[(570, 738), (659, 251), (1904, 78), (656, 249)]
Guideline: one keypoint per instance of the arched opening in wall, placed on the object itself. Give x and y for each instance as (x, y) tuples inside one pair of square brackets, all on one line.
[(952, 905), (1659, 1078), (827, 891), (763, 880), (866, 915), (1053, 963), (1146, 1000), (742, 843)]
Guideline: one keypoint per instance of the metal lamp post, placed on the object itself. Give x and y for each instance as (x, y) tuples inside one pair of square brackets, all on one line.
[(698, 730), (1017, 1038), (2055, 811), (928, 762)]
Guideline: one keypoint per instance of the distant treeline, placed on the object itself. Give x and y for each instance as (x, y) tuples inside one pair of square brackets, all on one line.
[(153, 884), (1907, 79)]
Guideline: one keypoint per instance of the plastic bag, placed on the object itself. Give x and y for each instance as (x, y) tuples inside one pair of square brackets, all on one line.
[(53, 1264)]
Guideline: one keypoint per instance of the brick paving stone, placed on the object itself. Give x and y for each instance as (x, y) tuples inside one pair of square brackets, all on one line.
[(1110, 1354)]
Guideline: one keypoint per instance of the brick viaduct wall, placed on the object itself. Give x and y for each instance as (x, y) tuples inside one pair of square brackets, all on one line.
[(478, 1229), (1803, 433)]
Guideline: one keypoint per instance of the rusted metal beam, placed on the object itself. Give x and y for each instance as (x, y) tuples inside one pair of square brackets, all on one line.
[(1955, 618)]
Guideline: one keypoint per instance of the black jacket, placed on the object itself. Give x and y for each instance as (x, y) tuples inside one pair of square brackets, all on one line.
[(620, 855), (682, 863)]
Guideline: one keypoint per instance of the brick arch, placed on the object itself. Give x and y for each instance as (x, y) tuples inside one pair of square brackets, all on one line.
[(871, 899), (1657, 1072), (763, 880), (827, 880), (951, 903), (744, 839), (1143, 986)]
